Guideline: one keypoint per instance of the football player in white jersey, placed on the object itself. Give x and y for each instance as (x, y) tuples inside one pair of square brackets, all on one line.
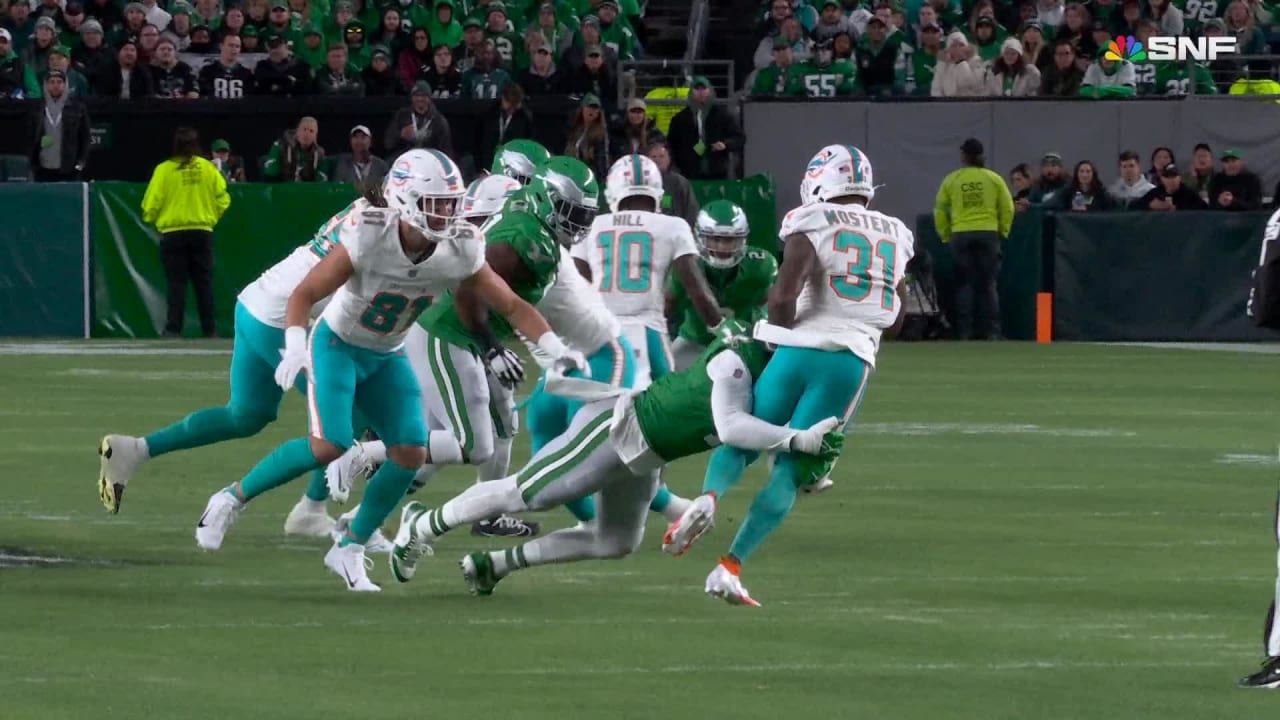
[(629, 252), (388, 267), (839, 288), (483, 199), (255, 397)]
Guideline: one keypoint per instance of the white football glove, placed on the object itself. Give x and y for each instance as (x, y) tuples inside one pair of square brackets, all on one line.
[(564, 359), (294, 358), (810, 440), (505, 365)]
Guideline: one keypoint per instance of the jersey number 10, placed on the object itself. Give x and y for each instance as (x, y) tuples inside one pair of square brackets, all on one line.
[(625, 261), (383, 315), (858, 283)]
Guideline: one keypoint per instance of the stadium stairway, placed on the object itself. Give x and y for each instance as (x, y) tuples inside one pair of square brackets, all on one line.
[(666, 28), (731, 34)]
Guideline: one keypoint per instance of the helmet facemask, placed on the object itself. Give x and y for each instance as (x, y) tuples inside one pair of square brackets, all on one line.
[(722, 249)]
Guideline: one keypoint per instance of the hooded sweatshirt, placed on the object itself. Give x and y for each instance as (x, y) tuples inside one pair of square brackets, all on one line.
[(966, 78), (1119, 81), (450, 34)]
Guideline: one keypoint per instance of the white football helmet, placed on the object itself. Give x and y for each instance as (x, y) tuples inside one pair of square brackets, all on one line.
[(837, 171), (425, 187), (486, 196), (633, 175)]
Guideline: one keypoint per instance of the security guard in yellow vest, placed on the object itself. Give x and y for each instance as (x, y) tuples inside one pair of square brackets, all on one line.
[(973, 212)]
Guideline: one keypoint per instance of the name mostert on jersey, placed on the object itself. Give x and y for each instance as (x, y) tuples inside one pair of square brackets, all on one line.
[(862, 222)]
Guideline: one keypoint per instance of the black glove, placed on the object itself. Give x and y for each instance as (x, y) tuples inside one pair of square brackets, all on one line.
[(505, 365)]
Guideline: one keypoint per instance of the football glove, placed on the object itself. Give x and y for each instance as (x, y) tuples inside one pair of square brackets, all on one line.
[(811, 441), (732, 332), (505, 365), (564, 360), (294, 358)]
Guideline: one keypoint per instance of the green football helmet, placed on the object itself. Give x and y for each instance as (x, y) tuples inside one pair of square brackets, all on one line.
[(564, 195), (722, 232), (518, 159)]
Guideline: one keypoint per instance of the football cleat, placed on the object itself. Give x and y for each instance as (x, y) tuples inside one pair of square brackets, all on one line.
[(410, 544), (505, 526), (478, 573), (377, 542), (221, 512), (342, 474), (823, 484), (1268, 677), (349, 563), (697, 519), (302, 520), (121, 456), (724, 583)]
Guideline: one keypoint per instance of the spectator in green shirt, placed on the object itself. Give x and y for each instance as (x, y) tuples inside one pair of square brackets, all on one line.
[(776, 79), (496, 31), (615, 32), (443, 26), (925, 59), (312, 50), (358, 53), (986, 39)]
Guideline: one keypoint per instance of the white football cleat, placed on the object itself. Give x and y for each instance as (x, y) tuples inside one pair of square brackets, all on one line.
[(725, 584), (826, 483), (377, 542), (222, 510), (342, 474), (349, 563), (697, 519), (306, 519), (121, 456), (411, 543)]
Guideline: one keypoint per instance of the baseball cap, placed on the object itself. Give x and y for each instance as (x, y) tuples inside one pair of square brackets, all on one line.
[(344, 5), (421, 88), (591, 20), (780, 42), (381, 50), (594, 50), (5, 34), (611, 3), (73, 8), (472, 22), (181, 9), (221, 145), (136, 6), (547, 6), (636, 104), (1101, 26), (275, 41), (1170, 170), (62, 50), (279, 5), (55, 74), (1051, 158), (875, 19), (972, 146), (91, 25), (589, 100), (1232, 154), (47, 22), (248, 31), (359, 129), (1033, 25), (699, 81), (1218, 23)]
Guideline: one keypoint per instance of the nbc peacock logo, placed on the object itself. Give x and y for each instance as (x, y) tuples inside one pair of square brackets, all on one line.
[(1126, 48)]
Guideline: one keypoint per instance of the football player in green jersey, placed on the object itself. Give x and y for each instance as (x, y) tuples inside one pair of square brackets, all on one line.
[(518, 159), (739, 278), (614, 447), (824, 76)]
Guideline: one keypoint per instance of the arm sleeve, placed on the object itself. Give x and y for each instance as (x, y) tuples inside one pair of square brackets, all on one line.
[(731, 408), (222, 200), (154, 196)]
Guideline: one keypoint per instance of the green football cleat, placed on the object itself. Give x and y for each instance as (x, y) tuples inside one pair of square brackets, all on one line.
[(410, 544), (477, 572)]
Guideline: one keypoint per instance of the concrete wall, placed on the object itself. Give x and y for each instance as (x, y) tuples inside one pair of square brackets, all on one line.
[(913, 145)]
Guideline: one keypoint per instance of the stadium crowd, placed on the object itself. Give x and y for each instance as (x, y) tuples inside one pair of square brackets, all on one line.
[(1008, 48)]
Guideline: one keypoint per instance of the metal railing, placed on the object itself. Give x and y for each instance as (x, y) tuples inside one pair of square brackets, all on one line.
[(699, 19), (650, 75)]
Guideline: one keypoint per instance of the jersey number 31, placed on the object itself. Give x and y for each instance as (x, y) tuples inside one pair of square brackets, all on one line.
[(859, 280)]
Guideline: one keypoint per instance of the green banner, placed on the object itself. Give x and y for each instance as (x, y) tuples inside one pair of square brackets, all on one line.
[(758, 198), (264, 224), (1152, 276), (42, 260), (1020, 273)]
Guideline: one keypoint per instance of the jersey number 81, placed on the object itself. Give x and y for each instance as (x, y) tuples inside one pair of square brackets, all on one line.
[(384, 311)]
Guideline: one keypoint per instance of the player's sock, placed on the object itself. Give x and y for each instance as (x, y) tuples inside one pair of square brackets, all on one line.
[(725, 468), (768, 509), (661, 499), (202, 427), (317, 488), (498, 464), (517, 558), (283, 464), (480, 501), (584, 508), (385, 490)]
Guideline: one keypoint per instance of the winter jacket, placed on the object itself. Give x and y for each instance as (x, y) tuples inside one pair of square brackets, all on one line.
[(433, 132), (345, 169), (347, 83), (554, 84), (13, 75), (380, 84), (444, 85), (110, 83), (1245, 186), (967, 78), (75, 128), (412, 66), (493, 134), (287, 161), (1061, 83), (1124, 193), (1024, 84), (679, 199), (717, 126), (624, 142), (288, 79)]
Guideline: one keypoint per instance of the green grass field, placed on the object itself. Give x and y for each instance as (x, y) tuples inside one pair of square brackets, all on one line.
[(1017, 531)]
